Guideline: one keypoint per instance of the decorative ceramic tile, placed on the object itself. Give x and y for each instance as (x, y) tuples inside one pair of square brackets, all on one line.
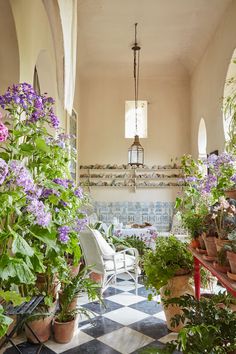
[(126, 316), (121, 340), (159, 214)]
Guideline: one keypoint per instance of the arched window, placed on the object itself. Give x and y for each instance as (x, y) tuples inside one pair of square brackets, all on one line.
[(229, 89), (202, 139)]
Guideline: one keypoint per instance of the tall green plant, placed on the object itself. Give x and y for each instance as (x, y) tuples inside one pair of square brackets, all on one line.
[(41, 207)]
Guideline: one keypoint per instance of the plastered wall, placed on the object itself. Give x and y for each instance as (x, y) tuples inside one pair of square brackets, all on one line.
[(208, 80)]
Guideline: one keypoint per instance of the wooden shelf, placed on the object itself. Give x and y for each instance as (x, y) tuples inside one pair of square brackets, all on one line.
[(130, 175)]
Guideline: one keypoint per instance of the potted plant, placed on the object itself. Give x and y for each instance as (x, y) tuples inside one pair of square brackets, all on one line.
[(168, 269), (209, 327), (65, 318), (231, 254)]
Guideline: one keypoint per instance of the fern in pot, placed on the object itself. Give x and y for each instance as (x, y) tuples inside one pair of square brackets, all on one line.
[(168, 269), (65, 319)]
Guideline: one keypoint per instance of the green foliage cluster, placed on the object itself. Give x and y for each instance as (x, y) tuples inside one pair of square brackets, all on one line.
[(210, 327), (161, 264), (73, 289)]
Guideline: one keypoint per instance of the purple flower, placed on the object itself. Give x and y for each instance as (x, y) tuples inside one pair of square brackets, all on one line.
[(49, 191), (3, 132), (36, 107), (54, 120), (81, 223), (79, 192), (21, 176), (63, 182), (3, 170), (233, 178), (63, 234), (37, 209)]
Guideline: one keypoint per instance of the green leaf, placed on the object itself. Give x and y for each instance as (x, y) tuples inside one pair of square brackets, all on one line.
[(41, 145), (27, 147), (4, 156), (19, 245)]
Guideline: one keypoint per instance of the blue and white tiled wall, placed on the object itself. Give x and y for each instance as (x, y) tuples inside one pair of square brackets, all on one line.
[(159, 214)]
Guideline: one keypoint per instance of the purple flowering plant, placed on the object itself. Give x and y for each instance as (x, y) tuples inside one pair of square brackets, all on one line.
[(205, 185), (41, 206)]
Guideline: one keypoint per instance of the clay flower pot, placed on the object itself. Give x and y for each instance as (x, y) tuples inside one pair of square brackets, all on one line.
[(202, 243), (221, 243), (232, 261), (177, 286), (221, 268), (64, 331), (41, 327), (231, 193), (210, 245)]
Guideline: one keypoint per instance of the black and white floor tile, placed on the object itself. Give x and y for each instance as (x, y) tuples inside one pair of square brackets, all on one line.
[(127, 323)]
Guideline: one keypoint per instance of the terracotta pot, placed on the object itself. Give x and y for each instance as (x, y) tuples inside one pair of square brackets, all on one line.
[(221, 243), (210, 245), (64, 331), (177, 286), (74, 270), (220, 268), (232, 261), (96, 277), (41, 327), (231, 193), (202, 243)]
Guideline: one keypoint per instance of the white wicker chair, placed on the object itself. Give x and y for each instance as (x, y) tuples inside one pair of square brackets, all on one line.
[(104, 260)]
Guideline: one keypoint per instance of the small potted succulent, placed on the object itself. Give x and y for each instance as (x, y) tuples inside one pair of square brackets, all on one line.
[(168, 269), (65, 318)]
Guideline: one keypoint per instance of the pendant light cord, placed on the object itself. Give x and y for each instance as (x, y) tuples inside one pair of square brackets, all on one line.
[(136, 49)]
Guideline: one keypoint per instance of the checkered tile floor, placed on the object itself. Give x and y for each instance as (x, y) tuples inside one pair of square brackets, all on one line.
[(128, 323)]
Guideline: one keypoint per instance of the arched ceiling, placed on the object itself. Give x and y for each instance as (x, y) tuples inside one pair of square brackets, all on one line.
[(173, 34)]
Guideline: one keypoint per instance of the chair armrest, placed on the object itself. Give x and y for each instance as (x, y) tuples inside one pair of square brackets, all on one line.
[(112, 246), (130, 249)]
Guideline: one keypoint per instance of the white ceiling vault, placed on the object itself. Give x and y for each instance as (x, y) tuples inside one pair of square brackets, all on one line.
[(173, 35)]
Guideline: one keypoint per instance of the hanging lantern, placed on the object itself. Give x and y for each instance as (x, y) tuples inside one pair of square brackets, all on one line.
[(136, 151)]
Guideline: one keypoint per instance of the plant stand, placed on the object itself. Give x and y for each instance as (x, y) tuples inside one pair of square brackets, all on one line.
[(224, 280), (22, 312)]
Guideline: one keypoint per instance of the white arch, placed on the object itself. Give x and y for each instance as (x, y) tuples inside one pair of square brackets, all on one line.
[(202, 139)]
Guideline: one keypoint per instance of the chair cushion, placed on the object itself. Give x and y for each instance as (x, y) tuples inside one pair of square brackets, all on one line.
[(106, 250), (119, 259)]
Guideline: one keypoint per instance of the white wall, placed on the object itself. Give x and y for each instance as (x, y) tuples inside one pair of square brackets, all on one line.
[(102, 117), (36, 47), (208, 80)]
